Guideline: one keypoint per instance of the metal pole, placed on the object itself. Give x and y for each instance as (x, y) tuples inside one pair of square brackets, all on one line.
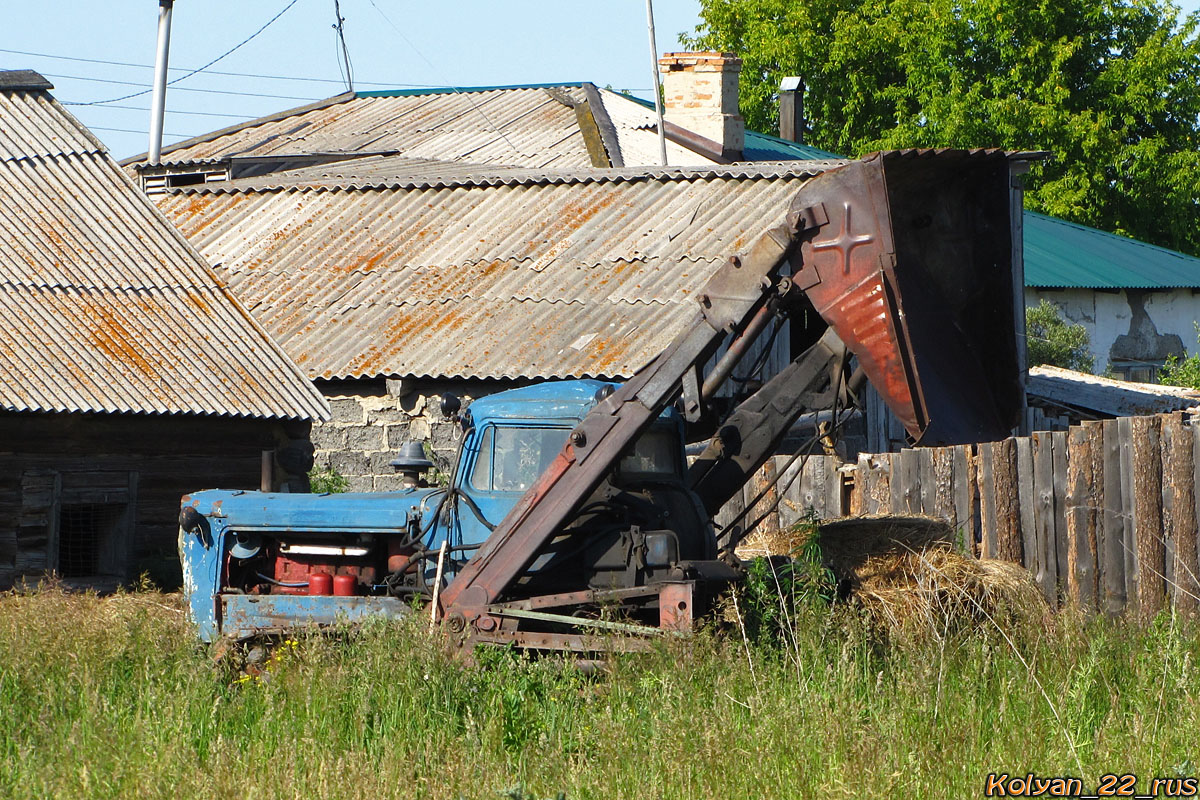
[(158, 101), (736, 351), (267, 477), (662, 134)]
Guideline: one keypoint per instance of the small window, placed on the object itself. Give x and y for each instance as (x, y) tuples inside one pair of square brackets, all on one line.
[(88, 539), (511, 458), (189, 179), (1137, 371), (481, 475), (654, 453)]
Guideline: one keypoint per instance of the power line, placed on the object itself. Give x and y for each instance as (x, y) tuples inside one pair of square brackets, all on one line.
[(177, 88), (189, 113), (184, 77), (454, 89), (142, 132), (215, 72)]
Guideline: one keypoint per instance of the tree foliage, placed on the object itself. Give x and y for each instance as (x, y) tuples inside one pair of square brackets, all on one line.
[(1111, 88), (1052, 340)]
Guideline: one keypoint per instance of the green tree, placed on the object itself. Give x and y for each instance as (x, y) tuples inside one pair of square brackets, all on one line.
[(1111, 88), (1052, 340)]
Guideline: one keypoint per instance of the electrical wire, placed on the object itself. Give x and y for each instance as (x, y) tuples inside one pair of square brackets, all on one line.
[(185, 76), (129, 130), (218, 72), (288, 584), (189, 113), (801, 454), (760, 363), (178, 89)]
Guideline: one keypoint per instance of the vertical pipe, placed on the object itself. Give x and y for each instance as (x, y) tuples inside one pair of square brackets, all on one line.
[(658, 108), (158, 101), (791, 110), (267, 478)]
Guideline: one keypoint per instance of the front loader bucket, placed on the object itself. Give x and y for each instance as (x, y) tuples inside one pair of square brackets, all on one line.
[(912, 267)]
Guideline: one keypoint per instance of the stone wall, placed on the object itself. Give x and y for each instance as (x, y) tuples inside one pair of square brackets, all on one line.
[(373, 419)]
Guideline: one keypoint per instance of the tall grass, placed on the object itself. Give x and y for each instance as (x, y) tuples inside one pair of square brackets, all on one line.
[(112, 698)]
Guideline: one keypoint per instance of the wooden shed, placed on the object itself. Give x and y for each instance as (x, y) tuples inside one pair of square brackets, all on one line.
[(129, 375)]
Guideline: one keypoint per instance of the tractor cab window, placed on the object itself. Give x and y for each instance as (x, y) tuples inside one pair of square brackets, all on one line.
[(511, 458), (655, 453)]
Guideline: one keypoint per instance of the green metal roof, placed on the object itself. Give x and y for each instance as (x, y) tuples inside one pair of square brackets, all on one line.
[(1062, 254), (761, 147)]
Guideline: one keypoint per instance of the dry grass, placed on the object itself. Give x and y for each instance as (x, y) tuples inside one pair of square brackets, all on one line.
[(905, 575)]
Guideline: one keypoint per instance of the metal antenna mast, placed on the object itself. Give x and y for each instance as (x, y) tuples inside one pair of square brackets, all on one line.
[(658, 109), (158, 101)]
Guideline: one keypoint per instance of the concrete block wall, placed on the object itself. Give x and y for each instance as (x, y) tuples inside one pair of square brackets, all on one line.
[(373, 419)]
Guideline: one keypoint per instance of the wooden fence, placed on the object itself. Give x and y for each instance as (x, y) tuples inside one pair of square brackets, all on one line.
[(1104, 513)]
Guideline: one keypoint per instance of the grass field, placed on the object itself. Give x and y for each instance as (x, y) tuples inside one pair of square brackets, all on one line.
[(111, 697)]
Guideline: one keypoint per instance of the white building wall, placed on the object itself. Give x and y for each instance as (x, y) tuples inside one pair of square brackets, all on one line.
[(1109, 315)]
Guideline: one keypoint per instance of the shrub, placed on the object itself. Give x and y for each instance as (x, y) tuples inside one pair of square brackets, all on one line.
[(1182, 371), (326, 480), (1052, 340)]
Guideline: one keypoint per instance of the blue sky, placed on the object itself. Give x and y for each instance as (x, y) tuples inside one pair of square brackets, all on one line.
[(392, 44)]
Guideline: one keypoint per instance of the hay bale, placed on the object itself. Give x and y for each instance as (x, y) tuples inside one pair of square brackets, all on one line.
[(905, 575)]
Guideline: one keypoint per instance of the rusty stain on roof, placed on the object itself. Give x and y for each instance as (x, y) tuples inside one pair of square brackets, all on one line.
[(106, 308), (482, 280)]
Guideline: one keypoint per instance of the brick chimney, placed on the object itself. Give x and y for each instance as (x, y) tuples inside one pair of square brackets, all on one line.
[(700, 91)]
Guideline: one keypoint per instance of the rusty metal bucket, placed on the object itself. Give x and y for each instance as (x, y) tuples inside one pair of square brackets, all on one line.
[(914, 271)]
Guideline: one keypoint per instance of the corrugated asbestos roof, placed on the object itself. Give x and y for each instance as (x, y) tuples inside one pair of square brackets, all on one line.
[(551, 276), (1065, 255), (391, 244), (522, 127), (519, 126), (1116, 398), (637, 133), (105, 307)]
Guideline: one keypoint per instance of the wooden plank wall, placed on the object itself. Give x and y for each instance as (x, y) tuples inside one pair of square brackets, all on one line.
[(1103, 514), (48, 458)]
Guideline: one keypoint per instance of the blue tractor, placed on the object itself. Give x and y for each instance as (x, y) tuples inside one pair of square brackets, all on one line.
[(250, 557)]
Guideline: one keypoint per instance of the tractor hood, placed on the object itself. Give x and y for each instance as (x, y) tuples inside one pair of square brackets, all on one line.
[(367, 512)]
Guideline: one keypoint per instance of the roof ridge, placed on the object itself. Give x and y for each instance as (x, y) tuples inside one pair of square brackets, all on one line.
[(241, 126), (486, 178), (23, 80), (418, 92)]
